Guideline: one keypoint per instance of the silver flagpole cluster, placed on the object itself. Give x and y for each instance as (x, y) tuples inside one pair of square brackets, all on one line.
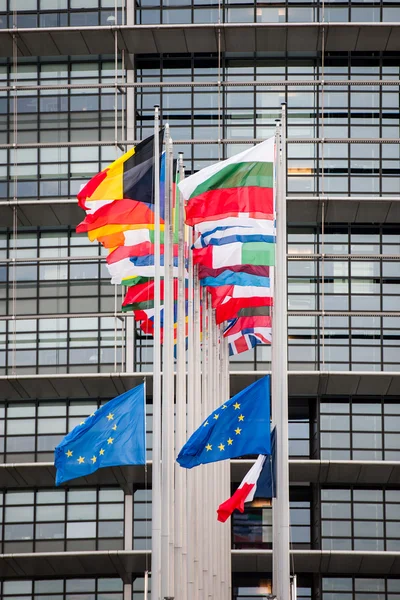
[(191, 550), (281, 533), (156, 487)]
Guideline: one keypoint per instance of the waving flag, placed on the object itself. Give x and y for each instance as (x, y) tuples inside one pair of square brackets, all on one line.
[(219, 236), (247, 332), (229, 277), (241, 184), (128, 177), (237, 428), (113, 435), (259, 483), (215, 257), (259, 270)]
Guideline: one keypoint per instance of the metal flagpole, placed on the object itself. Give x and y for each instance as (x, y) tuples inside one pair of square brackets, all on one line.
[(167, 444), (206, 547), (180, 474), (156, 487), (191, 504), (281, 534), (213, 403), (225, 531), (274, 392), (198, 476)]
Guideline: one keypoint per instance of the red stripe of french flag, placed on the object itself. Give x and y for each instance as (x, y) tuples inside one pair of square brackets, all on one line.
[(244, 493)]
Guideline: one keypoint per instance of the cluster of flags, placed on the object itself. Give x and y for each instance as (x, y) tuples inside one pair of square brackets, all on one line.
[(230, 206), (119, 205), (115, 435)]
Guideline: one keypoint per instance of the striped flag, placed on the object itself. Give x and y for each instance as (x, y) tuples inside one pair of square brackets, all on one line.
[(241, 184)]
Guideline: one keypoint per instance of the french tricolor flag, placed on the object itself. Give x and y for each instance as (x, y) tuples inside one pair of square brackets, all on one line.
[(258, 483)]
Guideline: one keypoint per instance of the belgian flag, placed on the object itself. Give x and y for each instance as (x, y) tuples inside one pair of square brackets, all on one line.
[(130, 177)]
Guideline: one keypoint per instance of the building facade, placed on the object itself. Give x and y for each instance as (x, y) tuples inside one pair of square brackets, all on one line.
[(79, 80)]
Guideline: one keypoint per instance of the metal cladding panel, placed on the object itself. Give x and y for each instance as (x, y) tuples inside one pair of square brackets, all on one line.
[(9, 477), (303, 211), (70, 42), (38, 387), (342, 472), (374, 386), (303, 39), (340, 38), (6, 45), (379, 473), (66, 214), (344, 562), (242, 380), (372, 37), (394, 388), (303, 386), (243, 39), (393, 215), (198, 39), (100, 42), (304, 471), (170, 41), (10, 568), (31, 475), (135, 561), (139, 41), (27, 475), (321, 561), (38, 43), (120, 563), (10, 390), (271, 39), (28, 214), (341, 211), (342, 384), (372, 212), (307, 561), (73, 564), (393, 43), (256, 561), (382, 564)]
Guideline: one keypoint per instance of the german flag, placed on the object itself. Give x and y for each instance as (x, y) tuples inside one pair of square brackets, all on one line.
[(130, 177)]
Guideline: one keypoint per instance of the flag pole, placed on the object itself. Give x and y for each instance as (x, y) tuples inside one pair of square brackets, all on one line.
[(156, 474), (180, 474), (281, 534), (226, 488), (191, 506), (198, 476), (205, 487), (167, 443)]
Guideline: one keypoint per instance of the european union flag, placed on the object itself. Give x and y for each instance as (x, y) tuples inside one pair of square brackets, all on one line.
[(240, 426), (111, 436)]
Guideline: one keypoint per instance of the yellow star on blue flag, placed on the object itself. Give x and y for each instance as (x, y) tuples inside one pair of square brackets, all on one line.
[(239, 427), (112, 436)]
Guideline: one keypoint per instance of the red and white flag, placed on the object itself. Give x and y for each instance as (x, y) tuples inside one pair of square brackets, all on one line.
[(244, 493)]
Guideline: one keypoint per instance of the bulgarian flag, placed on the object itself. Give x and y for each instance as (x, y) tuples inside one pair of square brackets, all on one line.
[(241, 184), (253, 253)]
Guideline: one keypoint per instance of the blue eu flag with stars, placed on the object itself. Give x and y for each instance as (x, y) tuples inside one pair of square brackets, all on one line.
[(240, 426), (111, 436)]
